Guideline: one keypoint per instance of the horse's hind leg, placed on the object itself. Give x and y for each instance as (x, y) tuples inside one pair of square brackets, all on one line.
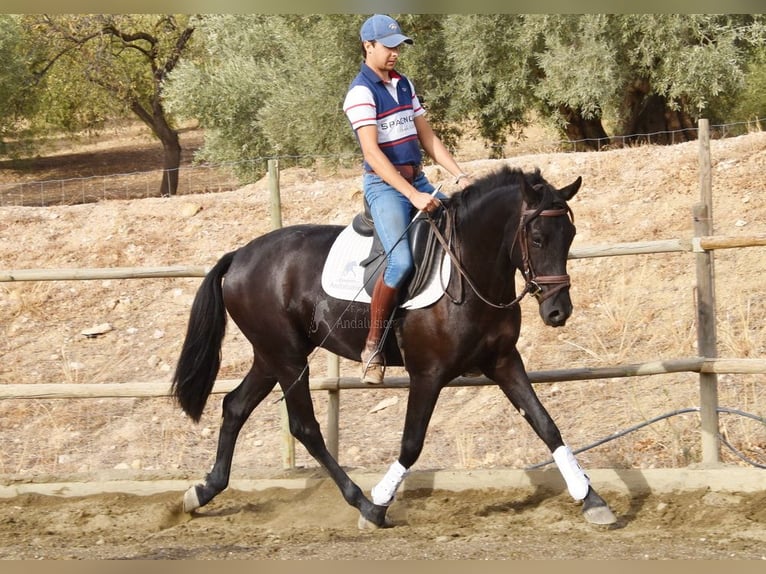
[(305, 428), (237, 407), (513, 380)]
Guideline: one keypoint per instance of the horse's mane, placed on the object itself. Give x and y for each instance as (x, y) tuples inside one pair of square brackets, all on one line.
[(507, 178)]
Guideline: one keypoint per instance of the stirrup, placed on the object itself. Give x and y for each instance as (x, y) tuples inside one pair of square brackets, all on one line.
[(372, 373)]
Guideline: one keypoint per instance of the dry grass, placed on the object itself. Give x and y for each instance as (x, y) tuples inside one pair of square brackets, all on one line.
[(628, 309)]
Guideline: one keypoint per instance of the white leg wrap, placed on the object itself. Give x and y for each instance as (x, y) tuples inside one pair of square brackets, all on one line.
[(383, 493), (577, 481)]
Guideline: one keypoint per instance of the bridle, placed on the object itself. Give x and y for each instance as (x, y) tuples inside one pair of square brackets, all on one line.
[(533, 283)]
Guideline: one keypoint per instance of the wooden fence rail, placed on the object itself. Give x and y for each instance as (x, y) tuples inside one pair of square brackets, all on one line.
[(159, 389), (707, 365), (691, 245), (103, 273)]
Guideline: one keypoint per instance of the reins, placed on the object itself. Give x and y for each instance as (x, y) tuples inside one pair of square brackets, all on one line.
[(533, 283)]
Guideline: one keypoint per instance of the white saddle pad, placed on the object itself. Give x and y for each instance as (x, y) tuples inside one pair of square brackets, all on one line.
[(343, 277)]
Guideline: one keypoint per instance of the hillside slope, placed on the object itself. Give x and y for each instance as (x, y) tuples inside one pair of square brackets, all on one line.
[(627, 309)]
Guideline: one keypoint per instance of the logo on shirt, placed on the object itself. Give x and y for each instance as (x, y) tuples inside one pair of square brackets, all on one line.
[(400, 123)]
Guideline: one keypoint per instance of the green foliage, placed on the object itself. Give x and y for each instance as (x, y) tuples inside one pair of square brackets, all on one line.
[(494, 72), (425, 62), (750, 105), (93, 67), (577, 68), (688, 58), (69, 99), (608, 66), (304, 116), (268, 85), (16, 83), (225, 89)]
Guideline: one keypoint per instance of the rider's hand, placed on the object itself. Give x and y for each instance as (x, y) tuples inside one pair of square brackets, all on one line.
[(424, 201), (464, 180)]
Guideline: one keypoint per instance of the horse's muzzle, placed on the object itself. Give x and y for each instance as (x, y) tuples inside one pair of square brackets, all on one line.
[(556, 310)]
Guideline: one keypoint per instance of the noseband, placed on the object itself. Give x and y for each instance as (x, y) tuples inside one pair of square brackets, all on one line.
[(534, 282)]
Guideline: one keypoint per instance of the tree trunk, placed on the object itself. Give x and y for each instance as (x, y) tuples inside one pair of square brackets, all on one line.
[(650, 119), (171, 165), (588, 133), (171, 145)]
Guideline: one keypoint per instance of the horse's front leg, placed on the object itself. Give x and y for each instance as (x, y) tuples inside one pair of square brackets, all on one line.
[(420, 406), (511, 376)]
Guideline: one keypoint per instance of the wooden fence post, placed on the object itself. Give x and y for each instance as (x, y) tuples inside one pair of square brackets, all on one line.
[(333, 405), (288, 441), (276, 200), (706, 318)]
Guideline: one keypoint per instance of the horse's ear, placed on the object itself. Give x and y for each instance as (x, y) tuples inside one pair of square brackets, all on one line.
[(569, 191), (532, 193)]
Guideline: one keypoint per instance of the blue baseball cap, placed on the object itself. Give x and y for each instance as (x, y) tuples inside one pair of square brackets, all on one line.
[(383, 29)]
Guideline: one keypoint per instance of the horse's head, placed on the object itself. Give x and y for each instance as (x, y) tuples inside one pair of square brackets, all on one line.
[(545, 233)]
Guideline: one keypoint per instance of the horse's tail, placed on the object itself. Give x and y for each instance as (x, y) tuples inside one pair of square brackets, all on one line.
[(200, 356)]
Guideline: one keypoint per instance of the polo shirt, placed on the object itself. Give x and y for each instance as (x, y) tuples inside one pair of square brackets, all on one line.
[(392, 107)]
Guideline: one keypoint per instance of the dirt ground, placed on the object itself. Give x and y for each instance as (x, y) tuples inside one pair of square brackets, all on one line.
[(627, 310), (315, 524)]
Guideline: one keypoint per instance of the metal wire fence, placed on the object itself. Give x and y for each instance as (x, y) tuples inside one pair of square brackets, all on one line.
[(214, 178), (192, 179)]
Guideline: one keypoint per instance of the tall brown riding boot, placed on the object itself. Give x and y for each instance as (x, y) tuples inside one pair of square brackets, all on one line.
[(381, 306)]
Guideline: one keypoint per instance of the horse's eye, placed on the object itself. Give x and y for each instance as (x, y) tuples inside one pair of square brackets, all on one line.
[(536, 240)]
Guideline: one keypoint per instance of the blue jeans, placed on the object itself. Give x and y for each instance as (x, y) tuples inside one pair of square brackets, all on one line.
[(392, 214)]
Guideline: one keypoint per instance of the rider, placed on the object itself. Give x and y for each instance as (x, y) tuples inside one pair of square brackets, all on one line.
[(391, 127)]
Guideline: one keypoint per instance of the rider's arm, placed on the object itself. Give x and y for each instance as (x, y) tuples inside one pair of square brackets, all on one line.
[(382, 166), (434, 147)]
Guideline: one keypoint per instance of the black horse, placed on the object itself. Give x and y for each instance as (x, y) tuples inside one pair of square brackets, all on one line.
[(504, 222)]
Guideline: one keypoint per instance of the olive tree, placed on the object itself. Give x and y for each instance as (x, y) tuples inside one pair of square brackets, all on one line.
[(17, 95), (96, 65), (273, 85), (636, 73)]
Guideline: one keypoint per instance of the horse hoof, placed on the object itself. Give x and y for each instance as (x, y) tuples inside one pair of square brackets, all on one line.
[(366, 525), (370, 526), (191, 499), (601, 515)]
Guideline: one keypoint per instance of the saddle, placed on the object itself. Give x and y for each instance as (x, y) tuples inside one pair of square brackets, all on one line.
[(423, 244)]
